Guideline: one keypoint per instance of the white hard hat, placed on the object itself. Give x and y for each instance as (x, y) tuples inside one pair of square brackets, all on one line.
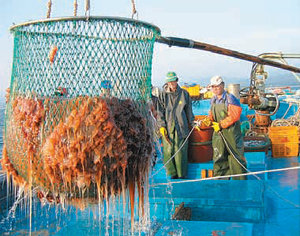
[(216, 80)]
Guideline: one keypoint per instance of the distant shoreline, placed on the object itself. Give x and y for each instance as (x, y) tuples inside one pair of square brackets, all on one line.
[(274, 83)]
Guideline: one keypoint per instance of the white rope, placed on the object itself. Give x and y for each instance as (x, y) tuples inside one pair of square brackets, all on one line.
[(291, 121), (175, 152), (229, 149), (287, 110), (282, 198), (280, 122), (257, 177), (244, 174), (228, 176)]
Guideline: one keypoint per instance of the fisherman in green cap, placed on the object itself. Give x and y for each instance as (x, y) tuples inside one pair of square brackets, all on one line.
[(175, 118)]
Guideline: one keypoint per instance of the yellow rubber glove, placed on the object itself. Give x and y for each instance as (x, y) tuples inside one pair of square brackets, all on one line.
[(216, 126), (197, 124), (163, 132), (206, 121)]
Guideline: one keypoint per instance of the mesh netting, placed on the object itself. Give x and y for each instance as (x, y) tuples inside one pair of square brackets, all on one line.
[(88, 52), (77, 114)]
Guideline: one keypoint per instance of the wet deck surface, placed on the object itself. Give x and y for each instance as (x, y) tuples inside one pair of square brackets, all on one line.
[(219, 207), (270, 206), (282, 199)]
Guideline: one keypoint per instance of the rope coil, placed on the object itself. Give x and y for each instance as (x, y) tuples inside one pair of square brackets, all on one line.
[(293, 120)]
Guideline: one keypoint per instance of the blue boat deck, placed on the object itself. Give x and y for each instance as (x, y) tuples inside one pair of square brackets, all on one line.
[(269, 206)]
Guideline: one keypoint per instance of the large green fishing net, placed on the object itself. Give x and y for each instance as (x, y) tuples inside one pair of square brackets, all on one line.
[(77, 118)]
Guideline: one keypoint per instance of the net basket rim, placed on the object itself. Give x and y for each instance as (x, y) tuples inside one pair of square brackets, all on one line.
[(84, 18)]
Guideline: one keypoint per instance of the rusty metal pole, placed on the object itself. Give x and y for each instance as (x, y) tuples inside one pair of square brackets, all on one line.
[(187, 43)]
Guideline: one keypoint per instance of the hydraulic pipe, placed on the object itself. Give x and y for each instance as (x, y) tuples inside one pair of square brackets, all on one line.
[(279, 55), (187, 43)]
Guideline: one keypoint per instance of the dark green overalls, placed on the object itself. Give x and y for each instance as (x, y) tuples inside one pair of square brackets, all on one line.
[(177, 166), (224, 162), (174, 112)]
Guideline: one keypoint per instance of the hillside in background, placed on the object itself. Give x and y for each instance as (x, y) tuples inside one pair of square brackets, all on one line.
[(273, 80)]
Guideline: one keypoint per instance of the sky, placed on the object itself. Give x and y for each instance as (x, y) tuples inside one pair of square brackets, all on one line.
[(252, 27)]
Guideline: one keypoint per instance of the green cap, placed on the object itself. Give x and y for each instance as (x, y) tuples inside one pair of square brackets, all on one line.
[(171, 76)]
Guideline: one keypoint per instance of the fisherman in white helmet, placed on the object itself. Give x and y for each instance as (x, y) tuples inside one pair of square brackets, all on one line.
[(225, 115)]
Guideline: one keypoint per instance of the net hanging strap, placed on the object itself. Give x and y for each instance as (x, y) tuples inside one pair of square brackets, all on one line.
[(49, 5), (87, 8), (134, 11), (75, 8)]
